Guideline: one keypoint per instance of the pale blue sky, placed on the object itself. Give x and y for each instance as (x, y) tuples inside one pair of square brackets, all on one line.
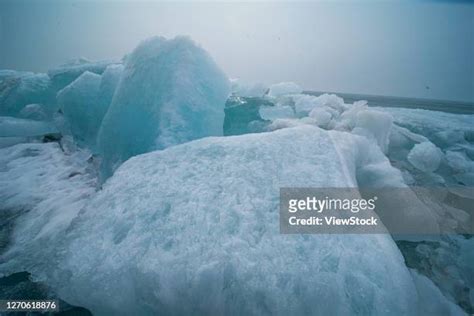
[(375, 47)]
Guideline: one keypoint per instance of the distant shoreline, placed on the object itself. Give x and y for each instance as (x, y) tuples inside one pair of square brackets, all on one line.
[(457, 107)]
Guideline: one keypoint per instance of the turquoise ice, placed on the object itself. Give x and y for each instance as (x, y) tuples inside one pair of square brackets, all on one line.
[(170, 92)]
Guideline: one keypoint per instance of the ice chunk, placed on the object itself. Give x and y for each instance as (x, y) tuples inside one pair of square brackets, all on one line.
[(199, 241), (374, 125), (425, 157), (330, 112), (241, 112), (18, 89), (304, 104), (441, 128), (348, 116), (248, 89), (402, 138), (331, 103), (375, 171), (322, 116), (401, 141), (81, 107), (17, 127), (284, 88), (108, 84), (171, 91), (335, 102), (67, 73)]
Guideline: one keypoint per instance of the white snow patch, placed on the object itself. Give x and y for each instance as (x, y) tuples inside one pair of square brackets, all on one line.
[(49, 189)]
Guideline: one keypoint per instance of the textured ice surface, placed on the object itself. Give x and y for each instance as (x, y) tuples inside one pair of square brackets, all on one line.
[(67, 73), (18, 89), (443, 129), (424, 121), (458, 162), (451, 133), (448, 264), (283, 88), (432, 301), (82, 108), (374, 125), (425, 157), (17, 127), (330, 102), (108, 84), (395, 130), (193, 229), (171, 91), (44, 190), (321, 116), (34, 112)]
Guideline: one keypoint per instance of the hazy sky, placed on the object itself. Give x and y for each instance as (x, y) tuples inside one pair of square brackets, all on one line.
[(375, 47)]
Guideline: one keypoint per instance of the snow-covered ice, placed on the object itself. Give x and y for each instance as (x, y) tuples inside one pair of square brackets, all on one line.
[(329, 111), (44, 189), (322, 116), (150, 109), (425, 157), (207, 241), (193, 226), (330, 102), (374, 125)]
